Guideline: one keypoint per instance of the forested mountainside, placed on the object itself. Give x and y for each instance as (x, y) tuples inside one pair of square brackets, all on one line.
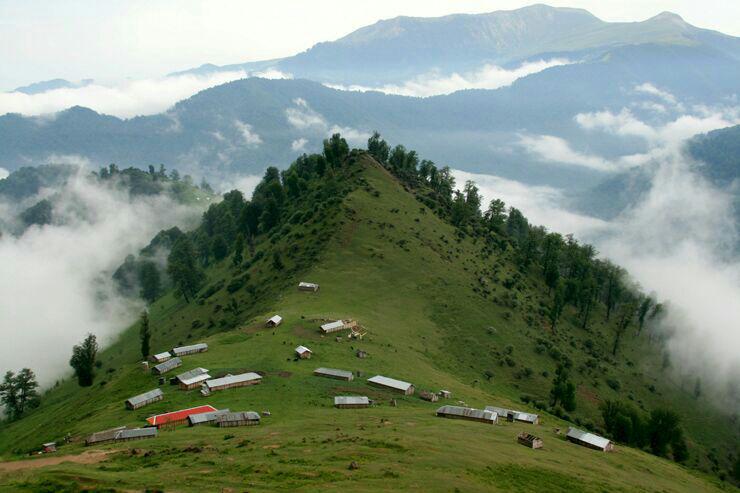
[(31, 193), (247, 125), (398, 49), (485, 305)]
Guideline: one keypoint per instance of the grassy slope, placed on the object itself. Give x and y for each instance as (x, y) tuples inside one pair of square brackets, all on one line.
[(426, 325)]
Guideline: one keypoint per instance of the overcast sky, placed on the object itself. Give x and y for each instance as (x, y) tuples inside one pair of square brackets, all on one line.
[(114, 39)]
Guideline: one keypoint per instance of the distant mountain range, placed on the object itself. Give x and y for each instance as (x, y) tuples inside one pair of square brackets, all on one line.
[(50, 85), (400, 48), (246, 125)]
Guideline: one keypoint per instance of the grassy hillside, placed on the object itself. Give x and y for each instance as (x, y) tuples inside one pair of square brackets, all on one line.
[(437, 314)]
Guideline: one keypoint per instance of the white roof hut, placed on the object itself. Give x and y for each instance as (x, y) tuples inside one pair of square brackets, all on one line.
[(142, 400), (334, 373), (232, 381), (308, 286), (392, 384), (192, 349), (161, 357), (274, 321), (303, 352), (512, 415), (168, 365), (351, 401), (468, 413), (589, 440)]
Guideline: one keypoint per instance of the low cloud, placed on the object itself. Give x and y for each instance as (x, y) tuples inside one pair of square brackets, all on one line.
[(303, 117), (251, 138), (557, 150), (125, 99), (3, 173), (298, 144), (650, 89), (55, 280), (435, 83)]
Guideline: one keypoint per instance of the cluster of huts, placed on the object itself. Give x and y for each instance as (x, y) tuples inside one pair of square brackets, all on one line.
[(207, 414)]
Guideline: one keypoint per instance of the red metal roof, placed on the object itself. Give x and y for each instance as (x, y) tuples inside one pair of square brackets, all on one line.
[(161, 419)]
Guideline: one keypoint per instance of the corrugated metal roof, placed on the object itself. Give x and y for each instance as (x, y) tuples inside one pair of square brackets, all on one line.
[(518, 415), (200, 418), (191, 373), (168, 365), (587, 437), (161, 356), (390, 382), (240, 416), (202, 346), (161, 419), (232, 379), (302, 349), (146, 396), (307, 285), (332, 325), (100, 436), (468, 412), (351, 400), (193, 380), (334, 372), (136, 433), (276, 319)]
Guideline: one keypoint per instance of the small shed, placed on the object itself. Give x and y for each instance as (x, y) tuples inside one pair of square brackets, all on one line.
[(161, 357), (205, 418), (144, 399), (135, 434), (351, 401), (192, 379), (274, 321), (529, 440), (192, 349), (589, 440), (243, 418), (49, 447), (362, 354), (512, 415), (303, 352), (458, 412), (104, 436), (232, 381), (334, 373), (392, 384), (428, 396), (176, 418), (445, 394), (168, 365), (308, 286)]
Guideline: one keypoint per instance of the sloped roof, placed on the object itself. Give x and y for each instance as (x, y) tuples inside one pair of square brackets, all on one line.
[(332, 325), (276, 319), (232, 379), (587, 437), (302, 349), (202, 346), (334, 372), (355, 400), (240, 416), (136, 433), (468, 412), (191, 373), (161, 356), (518, 415), (193, 380), (390, 382), (105, 435), (146, 396), (200, 418), (168, 365), (303, 284), (165, 418)]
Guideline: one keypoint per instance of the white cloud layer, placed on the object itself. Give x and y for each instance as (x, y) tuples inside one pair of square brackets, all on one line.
[(435, 84), (126, 99), (3, 173), (55, 283), (304, 118)]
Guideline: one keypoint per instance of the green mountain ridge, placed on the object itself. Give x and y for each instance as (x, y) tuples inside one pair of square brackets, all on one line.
[(443, 308)]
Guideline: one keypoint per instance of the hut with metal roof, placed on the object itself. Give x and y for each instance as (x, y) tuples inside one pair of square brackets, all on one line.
[(135, 434), (49, 447), (232, 381), (104, 436), (512, 415), (338, 325), (429, 396), (161, 357), (144, 399), (274, 321), (391, 384), (529, 440), (351, 401), (445, 394), (207, 418), (176, 418), (303, 352), (243, 418), (334, 373), (589, 440), (459, 412), (168, 365), (192, 379), (201, 347), (308, 286)]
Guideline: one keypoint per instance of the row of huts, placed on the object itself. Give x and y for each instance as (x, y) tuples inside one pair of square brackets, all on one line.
[(120, 434), (180, 351)]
